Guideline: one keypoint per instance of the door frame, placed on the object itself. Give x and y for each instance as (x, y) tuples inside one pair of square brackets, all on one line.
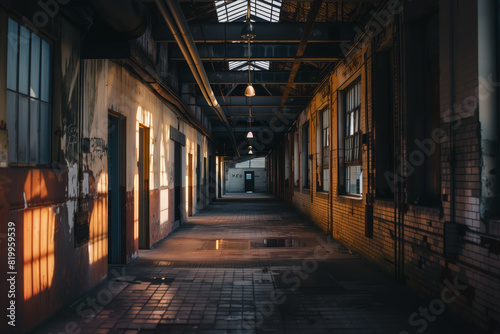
[(144, 228), (122, 170), (253, 180)]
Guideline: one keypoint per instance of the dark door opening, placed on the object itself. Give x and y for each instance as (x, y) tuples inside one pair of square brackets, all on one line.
[(177, 181), (143, 166), (190, 184), (249, 182), (116, 189)]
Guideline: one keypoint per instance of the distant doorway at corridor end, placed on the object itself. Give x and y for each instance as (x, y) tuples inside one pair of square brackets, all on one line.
[(248, 176)]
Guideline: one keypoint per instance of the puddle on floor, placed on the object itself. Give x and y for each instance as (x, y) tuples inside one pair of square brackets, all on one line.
[(231, 244)]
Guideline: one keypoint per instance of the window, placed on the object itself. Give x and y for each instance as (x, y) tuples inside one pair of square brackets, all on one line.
[(323, 150), (28, 96), (296, 171), (287, 162), (306, 162), (351, 171)]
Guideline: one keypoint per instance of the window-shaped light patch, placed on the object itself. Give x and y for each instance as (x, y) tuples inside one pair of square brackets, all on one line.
[(243, 65), (236, 10)]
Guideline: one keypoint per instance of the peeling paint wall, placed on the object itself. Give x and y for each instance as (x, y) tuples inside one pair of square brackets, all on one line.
[(44, 201)]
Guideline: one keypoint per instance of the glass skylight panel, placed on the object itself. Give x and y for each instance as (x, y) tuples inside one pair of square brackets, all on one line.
[(243, 65), (234, 10)]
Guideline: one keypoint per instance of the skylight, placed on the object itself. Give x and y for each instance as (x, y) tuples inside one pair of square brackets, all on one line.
[(235, 10), (243, 65)]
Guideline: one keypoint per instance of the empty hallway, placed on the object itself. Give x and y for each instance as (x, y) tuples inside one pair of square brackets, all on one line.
[(250, 264), (314, 166)]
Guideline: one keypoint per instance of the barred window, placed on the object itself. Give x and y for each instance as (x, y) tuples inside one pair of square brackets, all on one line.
[(350, 169), (352, 129), (306, 162), (323, 150), (28, 96)]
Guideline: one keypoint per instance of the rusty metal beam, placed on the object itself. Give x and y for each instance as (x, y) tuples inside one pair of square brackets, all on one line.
[(311, 18)]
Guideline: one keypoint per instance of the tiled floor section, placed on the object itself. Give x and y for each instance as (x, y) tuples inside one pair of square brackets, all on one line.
[(249, 264)]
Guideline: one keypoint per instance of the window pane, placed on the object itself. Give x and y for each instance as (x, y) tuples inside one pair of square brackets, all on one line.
[(23, 130), (24, 60), (45, 71), (35, 67), (13, 40), (45, 131), (34, 132), (326, 179), (12, 125), (354, 180)]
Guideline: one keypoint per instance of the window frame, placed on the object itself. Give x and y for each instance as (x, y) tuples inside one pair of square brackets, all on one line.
[(43, 103), (305, 156), (344, 167), (323, 147), (296, 159)]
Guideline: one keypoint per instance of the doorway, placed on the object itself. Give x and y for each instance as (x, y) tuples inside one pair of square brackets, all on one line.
[(249, 182), (143, 166), (190, 184), (116, 189), (177, 181)]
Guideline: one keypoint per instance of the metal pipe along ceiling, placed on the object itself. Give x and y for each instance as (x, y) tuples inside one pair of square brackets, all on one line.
[(175, 20)]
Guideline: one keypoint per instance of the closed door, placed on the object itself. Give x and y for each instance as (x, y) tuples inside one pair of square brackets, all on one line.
[(190, 184), (116, 173), (249, 181), (143, 166), (177, 181)]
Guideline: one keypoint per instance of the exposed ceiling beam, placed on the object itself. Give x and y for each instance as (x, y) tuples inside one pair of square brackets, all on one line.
[(262, 51), (283, 32), (256, 110), (277, 59), (257, 100), (330, 1), (311, 18), (258, 77)]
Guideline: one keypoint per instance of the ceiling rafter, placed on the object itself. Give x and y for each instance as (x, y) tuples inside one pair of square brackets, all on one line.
[(311, 18)]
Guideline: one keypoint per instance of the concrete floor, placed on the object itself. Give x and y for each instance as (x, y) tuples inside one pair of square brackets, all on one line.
[(249, 264)]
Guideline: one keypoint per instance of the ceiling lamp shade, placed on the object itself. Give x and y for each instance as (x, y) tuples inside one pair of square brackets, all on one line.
[(249, 91), (250, 152), (248, 31), (250, 134)]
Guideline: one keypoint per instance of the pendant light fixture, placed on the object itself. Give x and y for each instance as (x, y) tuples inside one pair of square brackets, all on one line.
[(250, 133), (248, 32)]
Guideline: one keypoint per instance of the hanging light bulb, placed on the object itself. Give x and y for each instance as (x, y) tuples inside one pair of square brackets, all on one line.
[(248, 33), (250, 133), (249, 91), (250, 147)]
